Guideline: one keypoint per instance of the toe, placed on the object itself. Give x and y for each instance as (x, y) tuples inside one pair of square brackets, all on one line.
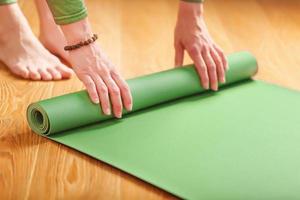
[(21, 71), (34, 74), (24, 72), (46, 76), (55, 74), (65, 71)]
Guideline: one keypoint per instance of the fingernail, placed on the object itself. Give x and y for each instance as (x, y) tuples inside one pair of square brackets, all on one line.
[(119, 115), (223, 80), (215, 88), (107, 111), (96, 101), (130, 107)]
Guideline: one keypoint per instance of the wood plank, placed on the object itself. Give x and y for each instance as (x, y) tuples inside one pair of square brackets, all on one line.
[(138, 37)]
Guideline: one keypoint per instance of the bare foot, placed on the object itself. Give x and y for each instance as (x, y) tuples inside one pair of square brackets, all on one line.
[(22, 52), (54, 42), (51, 35)]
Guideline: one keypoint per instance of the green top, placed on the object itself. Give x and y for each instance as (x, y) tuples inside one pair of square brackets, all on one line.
[(68, 11), (3, 2)]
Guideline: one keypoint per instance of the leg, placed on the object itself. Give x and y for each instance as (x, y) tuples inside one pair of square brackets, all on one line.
[(22, 52), (51, 36)]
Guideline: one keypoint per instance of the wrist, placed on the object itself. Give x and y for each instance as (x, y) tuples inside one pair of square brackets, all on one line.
[(190, 10), (77, 31)]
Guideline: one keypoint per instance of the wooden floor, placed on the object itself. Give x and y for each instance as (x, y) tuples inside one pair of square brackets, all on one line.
[(138, 36)]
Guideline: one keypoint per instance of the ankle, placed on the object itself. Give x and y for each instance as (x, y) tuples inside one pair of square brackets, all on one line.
[(11, 19)]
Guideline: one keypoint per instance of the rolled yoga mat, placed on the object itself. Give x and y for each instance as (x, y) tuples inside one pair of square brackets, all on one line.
[(239, 143)]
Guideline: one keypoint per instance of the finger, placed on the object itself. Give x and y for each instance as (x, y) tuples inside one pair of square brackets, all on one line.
[(200, 66), (223, 57), (34, 74), (91, 88), (115, 96), (65, 71), (103, 95), (219, 65), (124, 89), (179, 55), (46, 76), (55, 74), (211, 67)]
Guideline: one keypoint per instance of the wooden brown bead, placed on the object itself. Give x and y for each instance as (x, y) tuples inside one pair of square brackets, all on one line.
[(81, 43)]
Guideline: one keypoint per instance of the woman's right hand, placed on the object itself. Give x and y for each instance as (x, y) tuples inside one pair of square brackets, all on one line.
[(101, 79), (103, 82)]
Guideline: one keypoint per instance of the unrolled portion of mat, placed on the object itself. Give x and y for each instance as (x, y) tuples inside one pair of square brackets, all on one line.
[(239, 143), (75, 110)]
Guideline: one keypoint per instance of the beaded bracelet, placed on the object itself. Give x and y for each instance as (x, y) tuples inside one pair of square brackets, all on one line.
[(82, 43)]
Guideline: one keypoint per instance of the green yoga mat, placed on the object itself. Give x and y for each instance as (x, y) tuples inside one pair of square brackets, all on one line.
[(239, 143)]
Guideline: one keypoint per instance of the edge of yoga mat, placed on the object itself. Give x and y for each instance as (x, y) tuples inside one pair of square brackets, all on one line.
[(75, 110)]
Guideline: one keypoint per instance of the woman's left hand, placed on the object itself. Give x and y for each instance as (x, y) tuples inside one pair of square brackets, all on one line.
[(191, 34)]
